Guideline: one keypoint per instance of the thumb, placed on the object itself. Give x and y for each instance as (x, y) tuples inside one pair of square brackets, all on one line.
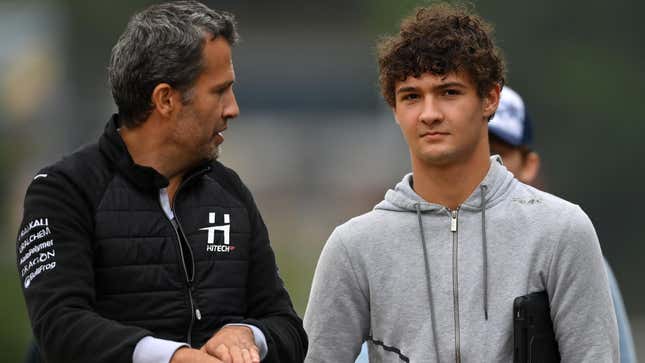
[(210, 359)]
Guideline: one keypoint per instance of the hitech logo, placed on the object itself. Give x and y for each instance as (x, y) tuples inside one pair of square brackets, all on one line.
[(226, 229)]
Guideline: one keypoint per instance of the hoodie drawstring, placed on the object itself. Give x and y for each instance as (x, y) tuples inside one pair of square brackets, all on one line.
[(427, 267), (484, 250)]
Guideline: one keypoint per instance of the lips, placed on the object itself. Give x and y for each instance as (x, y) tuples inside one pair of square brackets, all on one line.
[(218, 137), (434, 134)]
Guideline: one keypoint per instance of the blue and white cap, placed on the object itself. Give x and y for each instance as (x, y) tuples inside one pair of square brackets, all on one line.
[(511, 122)]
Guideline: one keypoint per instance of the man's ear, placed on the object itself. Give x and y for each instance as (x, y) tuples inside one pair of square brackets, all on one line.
[(164, 99), (491, 101), (530, 168)]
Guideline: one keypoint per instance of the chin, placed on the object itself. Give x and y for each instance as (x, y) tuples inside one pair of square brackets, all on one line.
[(214, 153), (437, 158)]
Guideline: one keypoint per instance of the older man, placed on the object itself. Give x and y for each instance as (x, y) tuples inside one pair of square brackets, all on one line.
[(142, 247)]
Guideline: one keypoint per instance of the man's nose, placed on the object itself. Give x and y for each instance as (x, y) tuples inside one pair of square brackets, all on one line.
[(231, 109), (431, 112)]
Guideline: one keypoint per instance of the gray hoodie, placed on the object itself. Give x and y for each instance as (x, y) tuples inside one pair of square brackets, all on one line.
[(422, 283)]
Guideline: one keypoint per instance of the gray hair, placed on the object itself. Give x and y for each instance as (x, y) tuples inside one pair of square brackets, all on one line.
[(162, 44)]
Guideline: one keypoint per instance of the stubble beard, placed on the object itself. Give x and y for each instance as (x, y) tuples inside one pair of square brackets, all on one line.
[(210, 151), (215, 153)]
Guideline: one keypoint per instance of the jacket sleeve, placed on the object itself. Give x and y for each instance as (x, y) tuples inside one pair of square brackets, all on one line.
[(337, 317), (625, 338), (269, 304), (55, 265), (581, 307)]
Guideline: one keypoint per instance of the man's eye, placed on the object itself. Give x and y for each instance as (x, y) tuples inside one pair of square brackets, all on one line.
[(222, 90), (451, 92), (410, 96)]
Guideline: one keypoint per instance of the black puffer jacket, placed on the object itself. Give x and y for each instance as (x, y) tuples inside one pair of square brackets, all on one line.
[(102, 266)]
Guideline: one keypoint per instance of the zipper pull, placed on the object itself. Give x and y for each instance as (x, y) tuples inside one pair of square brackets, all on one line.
[(453, 221), (198, 314)]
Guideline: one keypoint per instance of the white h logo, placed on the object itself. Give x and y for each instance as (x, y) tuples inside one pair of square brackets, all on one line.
[(225, 228)]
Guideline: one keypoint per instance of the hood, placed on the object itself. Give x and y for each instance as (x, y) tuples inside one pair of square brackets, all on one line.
[(497, 183)]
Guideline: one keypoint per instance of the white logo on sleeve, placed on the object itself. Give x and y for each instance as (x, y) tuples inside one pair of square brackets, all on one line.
[(225, 229), (36, 250)]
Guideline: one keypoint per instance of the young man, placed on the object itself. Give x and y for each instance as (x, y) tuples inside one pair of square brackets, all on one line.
[(142, 247), (431, 273), (511, 134)]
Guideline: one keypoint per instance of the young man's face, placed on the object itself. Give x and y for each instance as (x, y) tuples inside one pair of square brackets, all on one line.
[(201, 120), (442, 118)]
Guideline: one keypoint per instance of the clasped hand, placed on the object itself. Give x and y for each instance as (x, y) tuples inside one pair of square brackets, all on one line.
[(231, 344)]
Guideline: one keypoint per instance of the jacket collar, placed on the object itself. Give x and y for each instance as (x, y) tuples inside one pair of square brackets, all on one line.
[(113, 147)]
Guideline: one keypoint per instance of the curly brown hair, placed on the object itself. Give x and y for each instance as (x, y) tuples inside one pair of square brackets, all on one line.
[(440, 39)]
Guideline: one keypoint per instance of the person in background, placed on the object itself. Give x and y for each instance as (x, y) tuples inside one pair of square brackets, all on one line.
[(142, 247), (511, 137)]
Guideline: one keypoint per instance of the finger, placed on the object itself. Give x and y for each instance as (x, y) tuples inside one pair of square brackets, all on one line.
[(246, 355), (222, 352), (208, 348), (236, 354), (255, 354), (209, 359)]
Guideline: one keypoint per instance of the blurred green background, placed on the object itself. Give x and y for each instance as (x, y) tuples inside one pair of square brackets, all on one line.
[(314, 141)]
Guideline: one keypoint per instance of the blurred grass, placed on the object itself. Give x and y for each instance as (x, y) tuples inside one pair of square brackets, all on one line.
[(14, 330), (297, 270)]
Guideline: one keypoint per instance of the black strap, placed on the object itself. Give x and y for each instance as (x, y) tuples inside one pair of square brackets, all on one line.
[(395, 350)]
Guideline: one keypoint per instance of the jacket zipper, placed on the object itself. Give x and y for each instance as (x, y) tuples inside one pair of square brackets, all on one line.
[(187, 279), (455, 282), (194, 310)]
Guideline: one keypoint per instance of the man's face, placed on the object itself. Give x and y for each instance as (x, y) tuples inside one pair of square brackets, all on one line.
[(512, 157), (523, 163), (442, 118), (211, 102)]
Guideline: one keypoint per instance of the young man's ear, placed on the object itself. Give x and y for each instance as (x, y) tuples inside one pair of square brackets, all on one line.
[(530, 168), (491, 101), (165, 99)]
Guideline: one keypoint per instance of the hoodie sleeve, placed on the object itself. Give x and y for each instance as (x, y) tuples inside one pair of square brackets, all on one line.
[(581, 307), (337, 317), (55, 264)]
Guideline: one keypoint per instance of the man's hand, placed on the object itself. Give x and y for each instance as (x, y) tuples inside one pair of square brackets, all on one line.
[(233, 344), (189, 355)]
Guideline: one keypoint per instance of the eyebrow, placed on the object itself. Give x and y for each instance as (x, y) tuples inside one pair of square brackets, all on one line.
[(440, 86), (451, 84), (407, 89), (223, 85)]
